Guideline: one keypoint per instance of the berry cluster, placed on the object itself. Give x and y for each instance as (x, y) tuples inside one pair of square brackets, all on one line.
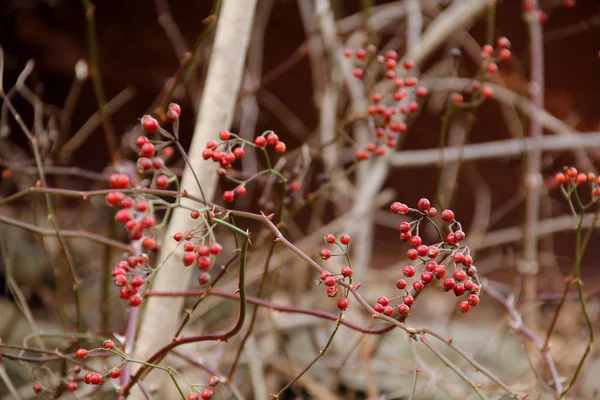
[(435, 259), (197, 252), (231, 148), (571, 178), (332, 281), (386, 108), (130, 276)]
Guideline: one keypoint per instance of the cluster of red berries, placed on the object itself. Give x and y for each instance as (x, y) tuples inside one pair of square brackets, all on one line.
[(387, 126), (331, 280), (435, 259), (136, 216), (151, 160), (93, 378), (129, 276), (207, 394), (572, 177), (199, 253)]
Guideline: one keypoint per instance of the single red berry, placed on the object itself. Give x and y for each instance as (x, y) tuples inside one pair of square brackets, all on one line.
[(81, 353), (72, 386), (416, 241), (203, 278), (464, 306), (239, 152), (418, 286), (388, 310), (405, 236), (260, 141), (332, 291), (401, 284), (329, 238), (448, 284), (137, 281), (115, 373), (457, 98), (421, 250), (423, 204), (108, 344), (473, 300), (430, 266), (240, 191), (162, 182), (189, 246), (358, 73), (408, 300), (347, 53), (280, 147), (487, 92), (330, 281), (384, 301), (361, 54), (411, 81), (37, 388), (378, 308), (114, 198), (342, 303), (505, 54), (427, 277), (176, 108), (390, 64), (451, 238), (361, 155), (433, 251), (207, 394), (447, 215), (149, 124), (468, 260), (421, 91), (412, 254), (432, 212), (178, 237), (439, 271), (192, 396), (459, 275), (472, 271), (325, 254), (346, 271), (188, 258), (409, 271), (404, 227), (204, 263), (213, 381), (228, 196), (135, 300), (404, 310), (459, 289), (207, 154), (147, 150), (407, 64), (345, 239), (215, 248), (224, 135)]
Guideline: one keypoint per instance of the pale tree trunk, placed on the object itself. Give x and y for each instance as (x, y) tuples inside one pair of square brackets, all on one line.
[(162, 315)]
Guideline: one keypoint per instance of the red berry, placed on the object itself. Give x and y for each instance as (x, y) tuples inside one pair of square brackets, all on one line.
[(178, 236), (423, 204), (439, 271), (409, 271), (162, 181), (404, 227), (457, 98), (412, 254), (407, 64), (464, 306), (346, 271), (37, 388), (228, 196), (347, 53), (404, 310), (224, 135), (409, 300), (361, 155), (188, 258), (422, 250), (468, 260), (448, 284), (204, 263), (72, 386), (137, 281), (427, 277), (459, 289), (421, 92), (345, 239), (447, 215), (473, 300), (361, 54), (383, 301), (390, 64), (432, 212), (418, 286), (203, 278), (399, 208), (192, 396), (389, 311), (240, 191), (401, 284), (459, 275), (505, 54), (325, 254), (332, 291), (433, 252), (460, 236), (149, 124), (81, 353), (329, 238), (114, 198), (135, 301), (207, 394), (280, 147), (411, 81), (215, 248), (487, 92), (330, 281), (416, 241), (378, 308), (458, 257), (358, 73), (451, 238), (260, 141), (238, 152), (342, 303)]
